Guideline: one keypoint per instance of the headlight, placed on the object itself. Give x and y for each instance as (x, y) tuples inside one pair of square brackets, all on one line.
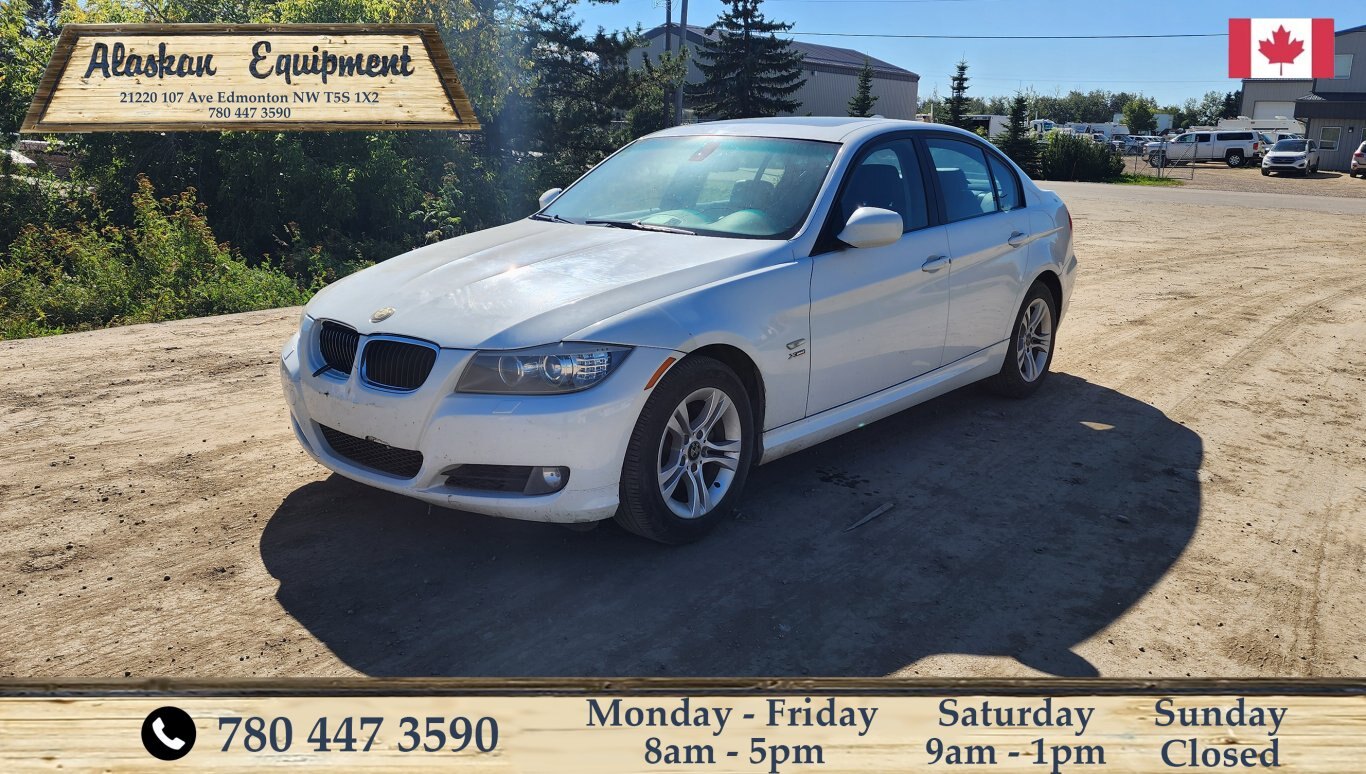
[(558, 368)]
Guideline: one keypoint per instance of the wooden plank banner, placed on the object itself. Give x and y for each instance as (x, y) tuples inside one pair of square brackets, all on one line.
[(725, 726), (220, 77)]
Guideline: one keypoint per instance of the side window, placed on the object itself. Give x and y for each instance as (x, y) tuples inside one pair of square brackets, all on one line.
[(964, 179), (1186, 138), (1007, 185), (888, 178), (1202, 137)]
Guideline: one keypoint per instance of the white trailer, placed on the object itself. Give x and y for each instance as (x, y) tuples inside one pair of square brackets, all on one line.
[(992, 125), (1107, 128)]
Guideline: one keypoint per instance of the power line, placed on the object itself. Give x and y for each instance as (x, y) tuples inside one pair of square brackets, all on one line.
[(881, 1), (1009, 37)]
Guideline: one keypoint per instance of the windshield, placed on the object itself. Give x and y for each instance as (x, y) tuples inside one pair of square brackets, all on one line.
[(753, 187), (1293, 146)]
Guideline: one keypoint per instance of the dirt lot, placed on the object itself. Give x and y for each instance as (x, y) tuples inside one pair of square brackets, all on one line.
[(1218, 176), (1186, 497)]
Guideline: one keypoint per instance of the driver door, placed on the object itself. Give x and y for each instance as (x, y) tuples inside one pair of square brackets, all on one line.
[(879, 315), (1182, 149)]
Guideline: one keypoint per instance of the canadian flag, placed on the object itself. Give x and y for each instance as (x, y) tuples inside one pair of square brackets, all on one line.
[(1280, 48)]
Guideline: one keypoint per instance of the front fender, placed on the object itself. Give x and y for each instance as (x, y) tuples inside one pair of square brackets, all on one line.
[(764, 313)]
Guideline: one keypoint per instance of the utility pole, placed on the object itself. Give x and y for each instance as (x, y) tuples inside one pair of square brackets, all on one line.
[(668, 47), (682, 42)]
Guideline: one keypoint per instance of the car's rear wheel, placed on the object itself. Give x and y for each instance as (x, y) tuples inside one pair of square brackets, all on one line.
[(689, 455), (1031, 345), (1234, 158)]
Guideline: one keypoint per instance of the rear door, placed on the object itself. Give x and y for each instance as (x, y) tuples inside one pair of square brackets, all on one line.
[(878, 314), (988, 229)]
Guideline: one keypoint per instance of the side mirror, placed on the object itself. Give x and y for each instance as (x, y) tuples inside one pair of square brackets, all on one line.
[(550, 196), (871, 227)]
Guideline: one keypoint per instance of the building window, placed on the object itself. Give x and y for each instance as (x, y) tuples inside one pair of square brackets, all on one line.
[(1328, 137), (1342, 67)]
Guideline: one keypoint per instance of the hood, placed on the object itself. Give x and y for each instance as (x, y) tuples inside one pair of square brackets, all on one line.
[(532, 282)]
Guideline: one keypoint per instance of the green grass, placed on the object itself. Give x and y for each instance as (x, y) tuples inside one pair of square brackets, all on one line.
[(1127, 179)]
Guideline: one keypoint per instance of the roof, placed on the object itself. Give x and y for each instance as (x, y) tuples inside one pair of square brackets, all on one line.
[(1334, 96), (816, 56), (822, 128), (1331, 104)]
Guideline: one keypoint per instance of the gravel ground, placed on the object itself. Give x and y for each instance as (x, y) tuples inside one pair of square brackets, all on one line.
[(1186, 497), (1218, 176)]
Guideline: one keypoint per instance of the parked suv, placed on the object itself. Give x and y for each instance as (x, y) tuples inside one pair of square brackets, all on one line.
[(1358, 162), (1233, 148), (1300, 156)]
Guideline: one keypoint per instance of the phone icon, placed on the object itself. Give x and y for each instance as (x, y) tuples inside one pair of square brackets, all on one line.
[(159, 728), (168, 733)]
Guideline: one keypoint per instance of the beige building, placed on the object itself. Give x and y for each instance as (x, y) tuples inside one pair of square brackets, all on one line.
[(831, 76)]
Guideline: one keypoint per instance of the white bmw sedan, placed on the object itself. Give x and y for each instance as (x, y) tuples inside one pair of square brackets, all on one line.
[(709, 298)]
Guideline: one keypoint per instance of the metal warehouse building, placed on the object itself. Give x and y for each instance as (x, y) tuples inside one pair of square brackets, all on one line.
[(1333, 109), (831, 76)]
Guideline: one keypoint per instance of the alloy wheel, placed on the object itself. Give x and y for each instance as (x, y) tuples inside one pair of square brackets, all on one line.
[(699, 453), (1035, 340)]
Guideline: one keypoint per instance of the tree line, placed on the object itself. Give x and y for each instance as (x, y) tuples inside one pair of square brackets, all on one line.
[(154, 226), (252, 219)]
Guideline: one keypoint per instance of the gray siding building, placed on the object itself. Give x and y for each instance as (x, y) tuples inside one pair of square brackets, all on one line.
[(831, 76), (1333, 109)]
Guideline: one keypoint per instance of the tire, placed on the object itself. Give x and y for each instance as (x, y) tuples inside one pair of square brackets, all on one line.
[(1314, 169), (659, 447), (1266, 173), (1019, 377), (1234, 158), (1157, 160)]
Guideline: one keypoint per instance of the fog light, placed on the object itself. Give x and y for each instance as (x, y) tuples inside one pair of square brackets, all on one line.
[(546, 480)]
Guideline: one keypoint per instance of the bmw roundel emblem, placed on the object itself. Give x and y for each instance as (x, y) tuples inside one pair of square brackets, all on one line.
[(381, 315)]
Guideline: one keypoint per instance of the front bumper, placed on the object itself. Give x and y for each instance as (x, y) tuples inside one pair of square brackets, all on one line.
[(1296, 164), (585, 431)]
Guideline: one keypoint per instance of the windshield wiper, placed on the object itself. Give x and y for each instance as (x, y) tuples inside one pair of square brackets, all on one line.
[(638, 226), (551, 218)]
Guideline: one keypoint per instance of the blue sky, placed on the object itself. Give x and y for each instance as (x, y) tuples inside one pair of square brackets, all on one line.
[(1169, 70)]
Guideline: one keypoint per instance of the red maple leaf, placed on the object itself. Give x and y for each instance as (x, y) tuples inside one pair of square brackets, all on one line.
[(1281, 49)]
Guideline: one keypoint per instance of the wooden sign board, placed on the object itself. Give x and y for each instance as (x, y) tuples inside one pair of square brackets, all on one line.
[(230, 77)]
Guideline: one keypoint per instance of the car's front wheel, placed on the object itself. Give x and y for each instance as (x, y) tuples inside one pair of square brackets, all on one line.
[(1031, 345), (689, 454)]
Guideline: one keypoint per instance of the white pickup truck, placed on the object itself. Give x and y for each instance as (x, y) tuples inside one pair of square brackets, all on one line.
[(1233, 148)]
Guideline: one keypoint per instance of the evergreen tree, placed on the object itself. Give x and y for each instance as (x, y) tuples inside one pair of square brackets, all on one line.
[(958, 97), (1015, 141), (861, 106), (749, 72)]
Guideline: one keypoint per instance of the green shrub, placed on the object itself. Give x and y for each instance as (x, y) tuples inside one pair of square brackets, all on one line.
[(1072, 157), (165, 266)]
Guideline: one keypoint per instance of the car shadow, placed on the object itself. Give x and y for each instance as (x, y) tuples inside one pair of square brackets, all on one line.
[(1019, 528)]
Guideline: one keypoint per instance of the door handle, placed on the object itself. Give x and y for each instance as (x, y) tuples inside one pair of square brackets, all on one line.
[(934, 263), (1017, 238)]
